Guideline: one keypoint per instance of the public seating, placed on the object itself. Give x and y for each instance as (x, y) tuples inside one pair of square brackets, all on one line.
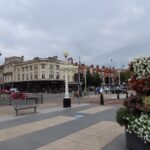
[(20, 104)]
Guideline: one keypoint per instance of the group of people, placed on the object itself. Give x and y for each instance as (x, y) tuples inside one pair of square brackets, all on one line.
[(99, 90)]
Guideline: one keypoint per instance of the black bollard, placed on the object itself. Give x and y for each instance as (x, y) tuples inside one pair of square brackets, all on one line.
[(118, 96), (101, 99), (127, 95), (42, 98)]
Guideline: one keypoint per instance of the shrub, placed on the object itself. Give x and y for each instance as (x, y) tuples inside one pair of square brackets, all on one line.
[(18, 95), (124, 115)]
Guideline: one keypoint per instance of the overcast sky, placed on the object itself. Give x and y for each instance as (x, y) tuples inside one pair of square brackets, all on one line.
[(94, 30)]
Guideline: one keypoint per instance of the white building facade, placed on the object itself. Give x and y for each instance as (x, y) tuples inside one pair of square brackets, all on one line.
[(39, 71)]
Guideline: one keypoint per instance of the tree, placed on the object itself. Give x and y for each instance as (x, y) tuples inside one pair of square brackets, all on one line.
[(96, 80), (92, 79), (88, 78), (125, 75), (107, 80)]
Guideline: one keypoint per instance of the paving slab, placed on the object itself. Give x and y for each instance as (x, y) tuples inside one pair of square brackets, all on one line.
[(95, 109), (13, 132), (48, 129), (82, 139)]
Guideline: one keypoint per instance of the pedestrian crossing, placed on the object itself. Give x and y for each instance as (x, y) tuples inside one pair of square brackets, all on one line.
[(94, 137), (95, 110), (24, 129), (86, 137)]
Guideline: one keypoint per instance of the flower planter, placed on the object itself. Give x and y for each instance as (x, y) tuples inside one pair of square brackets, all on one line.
[(135, 143), (135, 115)]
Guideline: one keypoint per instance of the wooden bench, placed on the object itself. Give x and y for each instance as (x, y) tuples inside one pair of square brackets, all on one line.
[(39, 96), (20, 104)]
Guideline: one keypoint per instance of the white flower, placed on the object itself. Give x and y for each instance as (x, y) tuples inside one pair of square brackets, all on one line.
[(140, 126), (141, 67)]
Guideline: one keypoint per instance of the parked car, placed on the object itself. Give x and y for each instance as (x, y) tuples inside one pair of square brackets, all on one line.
[(14, 90), (115, 89), (106, 89), (91, 88), (124, 90)]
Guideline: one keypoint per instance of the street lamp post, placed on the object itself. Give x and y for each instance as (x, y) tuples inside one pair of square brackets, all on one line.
[(110, 74), (79, 77), (119, 81), (85, 93), (118, 71), (67, 99), (119, 77), (2, 78)]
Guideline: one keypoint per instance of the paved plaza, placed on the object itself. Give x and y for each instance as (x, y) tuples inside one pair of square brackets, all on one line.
[(85, 126)]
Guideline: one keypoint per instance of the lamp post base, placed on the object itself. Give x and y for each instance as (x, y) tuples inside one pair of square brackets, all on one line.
[(67, 102)]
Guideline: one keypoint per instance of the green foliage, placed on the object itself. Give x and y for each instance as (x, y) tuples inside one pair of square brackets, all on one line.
[(88, 78), (125, 75), (123, 116), (92, 80), (146, 100), (107, 80), (146, 104), (96, 80)]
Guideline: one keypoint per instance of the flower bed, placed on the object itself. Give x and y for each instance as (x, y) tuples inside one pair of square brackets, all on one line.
[(139, 124), (18, 95)]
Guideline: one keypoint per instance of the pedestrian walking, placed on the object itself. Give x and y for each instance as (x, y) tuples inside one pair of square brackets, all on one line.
[(77, 96), (101, 90)]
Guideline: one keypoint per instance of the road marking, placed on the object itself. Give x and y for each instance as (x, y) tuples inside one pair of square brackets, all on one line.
[(20, 130), (79, 116), (91, 138), (95, 110)]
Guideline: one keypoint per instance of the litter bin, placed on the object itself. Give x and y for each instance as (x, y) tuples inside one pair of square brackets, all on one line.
[(66, 102)]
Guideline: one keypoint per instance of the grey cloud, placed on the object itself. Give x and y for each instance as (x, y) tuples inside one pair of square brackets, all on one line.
[(124, 55), (93, 30)]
